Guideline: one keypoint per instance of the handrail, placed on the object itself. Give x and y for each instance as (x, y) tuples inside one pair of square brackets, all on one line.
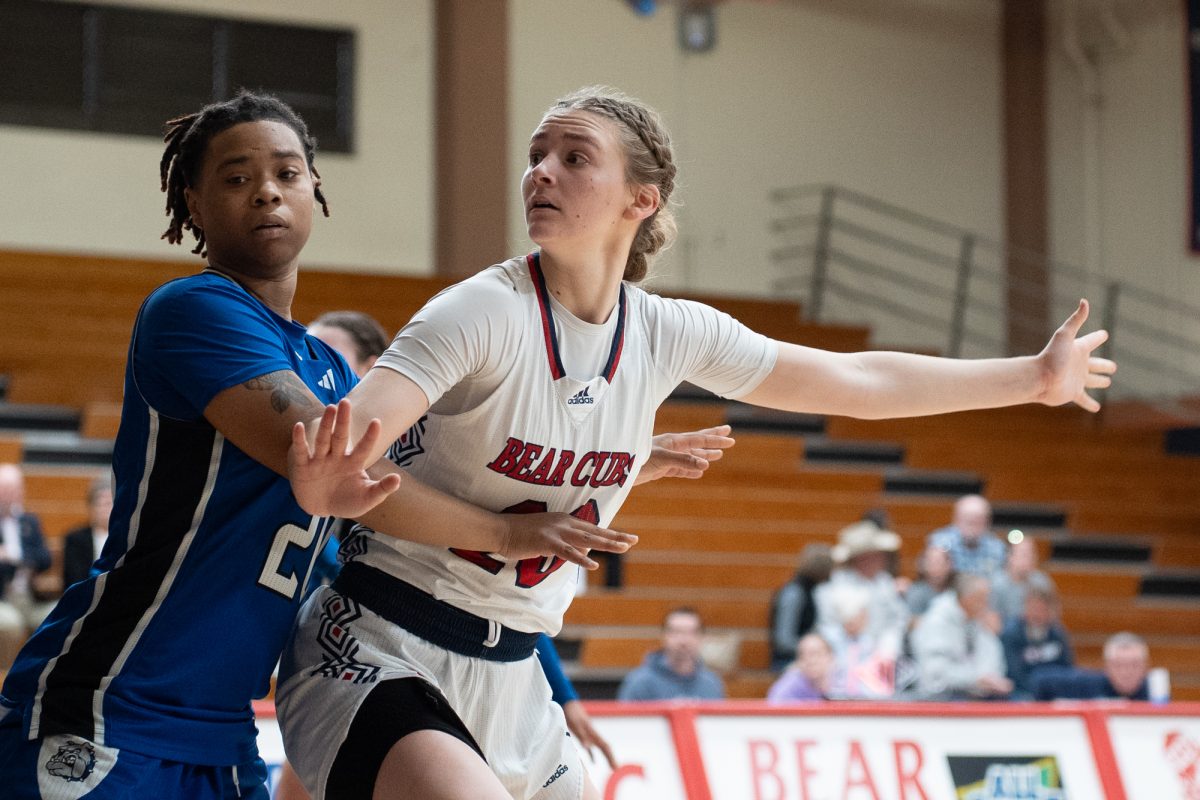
[(953, 282)]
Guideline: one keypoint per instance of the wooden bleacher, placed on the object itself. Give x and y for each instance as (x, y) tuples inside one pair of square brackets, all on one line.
[(725, 543)]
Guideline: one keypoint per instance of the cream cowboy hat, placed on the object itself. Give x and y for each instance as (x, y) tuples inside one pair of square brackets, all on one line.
[(864, 537)]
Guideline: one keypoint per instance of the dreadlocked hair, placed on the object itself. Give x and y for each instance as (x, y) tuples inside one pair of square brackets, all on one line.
[(648, 161), (187, 138)]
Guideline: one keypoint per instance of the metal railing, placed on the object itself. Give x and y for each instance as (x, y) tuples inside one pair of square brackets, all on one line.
[(928, 285)]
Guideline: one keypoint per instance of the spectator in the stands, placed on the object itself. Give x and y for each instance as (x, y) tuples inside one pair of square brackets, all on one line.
[(358, 337), (23, 554), (1035, 642), (793, 608), (675, 671), (864, 664), (1019, 576), (894, 564), (1126, 666), (82, 545), (957, 655), (935, 574), (809, 677), (863, 551), (969, 538)]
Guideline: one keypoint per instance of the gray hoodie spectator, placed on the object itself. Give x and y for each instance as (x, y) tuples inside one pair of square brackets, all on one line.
[(674, 672), (957, 654)]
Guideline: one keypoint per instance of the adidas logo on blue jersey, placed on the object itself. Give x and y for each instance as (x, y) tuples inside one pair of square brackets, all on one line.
[(581, 397), (326, 381)]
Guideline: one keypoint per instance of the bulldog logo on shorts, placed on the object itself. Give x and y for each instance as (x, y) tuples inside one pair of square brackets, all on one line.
[(73, 762)]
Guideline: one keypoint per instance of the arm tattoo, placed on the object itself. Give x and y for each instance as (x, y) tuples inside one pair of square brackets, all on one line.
[(286, 390)]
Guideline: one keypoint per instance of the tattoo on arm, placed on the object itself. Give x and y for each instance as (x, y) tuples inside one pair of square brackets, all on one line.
[(286, 390)]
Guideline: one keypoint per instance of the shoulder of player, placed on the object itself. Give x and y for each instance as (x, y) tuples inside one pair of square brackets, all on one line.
[(655, 309), (499, 290), (197, 292)]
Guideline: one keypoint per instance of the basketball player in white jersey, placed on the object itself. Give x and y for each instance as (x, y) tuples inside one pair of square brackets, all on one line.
[(529, 387)]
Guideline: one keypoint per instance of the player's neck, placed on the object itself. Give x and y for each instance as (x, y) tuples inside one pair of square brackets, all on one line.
[(275, 290), (586, 286)]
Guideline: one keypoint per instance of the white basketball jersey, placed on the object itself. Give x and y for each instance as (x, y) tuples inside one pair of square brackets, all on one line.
[(511, 431)]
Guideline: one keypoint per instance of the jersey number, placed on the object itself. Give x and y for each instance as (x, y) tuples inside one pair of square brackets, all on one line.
[(530, 571), (271, 577)]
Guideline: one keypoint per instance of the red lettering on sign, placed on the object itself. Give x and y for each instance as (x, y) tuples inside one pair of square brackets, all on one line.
[(764, 759), (619, 774), (862, 780), (804, 771), (908, 770)]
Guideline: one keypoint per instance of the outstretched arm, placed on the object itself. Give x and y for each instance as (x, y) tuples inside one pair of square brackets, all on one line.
[(880, 385)]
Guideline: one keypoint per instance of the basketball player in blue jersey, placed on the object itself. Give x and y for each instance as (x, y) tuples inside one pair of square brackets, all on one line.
[(139, 684), (557, 361)]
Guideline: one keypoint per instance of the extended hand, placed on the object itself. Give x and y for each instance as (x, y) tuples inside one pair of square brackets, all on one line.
[(1068, 367), (329, 478), (579, 723), (562, 535), (685, 455)]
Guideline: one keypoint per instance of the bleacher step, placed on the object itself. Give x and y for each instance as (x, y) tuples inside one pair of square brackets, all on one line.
[(823, 450), (752, 418), (66, 448), (1028, 515), (904, 480), (1183, 584), (37, 417), (1114, 550)]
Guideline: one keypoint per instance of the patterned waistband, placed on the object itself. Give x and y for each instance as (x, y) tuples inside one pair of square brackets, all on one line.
[(434, 621)]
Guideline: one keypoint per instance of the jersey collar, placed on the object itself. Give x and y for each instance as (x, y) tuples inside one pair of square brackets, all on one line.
[(533, 261)]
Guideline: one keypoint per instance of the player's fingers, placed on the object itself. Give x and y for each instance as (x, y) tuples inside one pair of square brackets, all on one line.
[(607, 750), (377, 491), (597, 538), (1087, 402), (1077, 318), (1102, 365), (340, 440), (1097, 381), (576, 556), (301, 453), (717, 440), (390, 483), (367, 443), (1093, 340), (324, 432)]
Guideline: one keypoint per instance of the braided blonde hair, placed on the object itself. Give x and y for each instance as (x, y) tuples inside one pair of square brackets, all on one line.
[(648, 160)]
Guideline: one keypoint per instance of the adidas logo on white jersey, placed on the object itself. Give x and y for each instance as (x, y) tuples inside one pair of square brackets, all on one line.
[(581, 398), (326, 381)]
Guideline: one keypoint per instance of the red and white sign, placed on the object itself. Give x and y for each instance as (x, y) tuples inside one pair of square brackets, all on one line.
[(857, 754), (649, 766), (1158, 755), (742, 750)]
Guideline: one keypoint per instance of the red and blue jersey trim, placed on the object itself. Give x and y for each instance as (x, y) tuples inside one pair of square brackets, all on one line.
[(557, 371)]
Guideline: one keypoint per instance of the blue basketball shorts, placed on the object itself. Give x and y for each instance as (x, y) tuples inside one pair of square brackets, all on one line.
[(64, 767)]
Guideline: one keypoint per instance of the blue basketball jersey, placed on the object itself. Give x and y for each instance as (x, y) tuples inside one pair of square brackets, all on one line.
[(208, 553)]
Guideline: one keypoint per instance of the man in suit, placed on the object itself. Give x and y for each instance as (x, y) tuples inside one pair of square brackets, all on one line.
[(23, 554), (82, 545)]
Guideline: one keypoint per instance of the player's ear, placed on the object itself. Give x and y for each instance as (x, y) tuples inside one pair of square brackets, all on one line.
[(193, 206), (644, 202)]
